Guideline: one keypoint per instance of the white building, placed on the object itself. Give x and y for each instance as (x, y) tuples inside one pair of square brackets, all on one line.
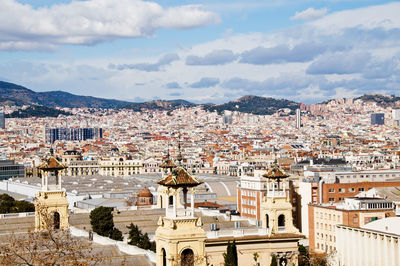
[(377, 243)]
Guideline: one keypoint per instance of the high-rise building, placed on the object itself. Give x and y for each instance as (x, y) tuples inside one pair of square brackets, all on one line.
[(9, 169), (396, 117), (228, 117), (298, 118), (2, 120), (78, 134), (377, 119)]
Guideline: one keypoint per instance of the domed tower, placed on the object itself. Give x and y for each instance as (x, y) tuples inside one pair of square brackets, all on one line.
[(164, 193), (180, 238), (276, 208), (144, 198), (51, 205)]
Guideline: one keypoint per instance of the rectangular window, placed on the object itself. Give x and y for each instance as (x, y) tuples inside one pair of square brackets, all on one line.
[(352, 189), (331, 199), (342, 190), (331, 190), (360, 189)]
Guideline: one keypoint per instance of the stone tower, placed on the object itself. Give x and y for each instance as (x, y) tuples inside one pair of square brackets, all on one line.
[(165, 194), (276, 209), (180, 238), (51, 205)]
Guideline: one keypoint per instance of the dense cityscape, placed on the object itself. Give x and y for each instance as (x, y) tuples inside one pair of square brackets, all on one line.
[(339, 163), (199, 133)]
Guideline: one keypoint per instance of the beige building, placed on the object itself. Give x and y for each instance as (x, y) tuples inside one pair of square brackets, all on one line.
[(355, 212), (107, 166), (375, 244), (119, 166), (181, 240), (51, 205)]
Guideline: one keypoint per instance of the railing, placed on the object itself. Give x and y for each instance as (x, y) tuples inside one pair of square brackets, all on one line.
[(276, 193), (179, 212), (16, 215), (237, 233), (281, 229)]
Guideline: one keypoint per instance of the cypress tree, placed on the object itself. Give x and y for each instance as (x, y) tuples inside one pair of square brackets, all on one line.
[(274, 261), (234, 254), (230, 257), (134, 234), (101, 220)]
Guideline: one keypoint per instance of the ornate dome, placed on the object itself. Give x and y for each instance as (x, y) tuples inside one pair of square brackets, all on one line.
[(145, 193)]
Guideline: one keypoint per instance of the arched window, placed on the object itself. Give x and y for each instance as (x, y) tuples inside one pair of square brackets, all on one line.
[(56, 220), (187, 257), (281, 220), (171, 200), (164, 257), (267, 220)]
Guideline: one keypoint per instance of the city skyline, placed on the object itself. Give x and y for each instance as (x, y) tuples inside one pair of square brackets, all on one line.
[(137, 51)]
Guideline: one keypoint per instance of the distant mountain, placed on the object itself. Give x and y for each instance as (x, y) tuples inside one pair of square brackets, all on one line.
[(37, 111), (14, 94), (255, 105), (160, 105), (381, 100)]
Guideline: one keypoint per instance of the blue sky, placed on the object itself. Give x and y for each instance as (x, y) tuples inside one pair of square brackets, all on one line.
[(202, 51)]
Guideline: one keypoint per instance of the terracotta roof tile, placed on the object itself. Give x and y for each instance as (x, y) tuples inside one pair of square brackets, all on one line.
[(179, 178), (51, 163), (275, 173)]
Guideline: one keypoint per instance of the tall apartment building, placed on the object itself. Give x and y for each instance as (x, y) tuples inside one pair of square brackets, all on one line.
[(251, 191), (2, 120), (227, 117), (9, 169), (334, 187), (298, 118), (377, 119), (396, 117), (75, 134)]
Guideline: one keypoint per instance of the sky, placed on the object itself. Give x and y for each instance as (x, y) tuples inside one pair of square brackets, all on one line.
[(209, 51)]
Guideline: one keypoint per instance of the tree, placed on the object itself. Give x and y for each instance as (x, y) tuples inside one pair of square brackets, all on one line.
[(304, 256), (9, 205), (274, 261), (145, 243), (230, 257), (134, 234), (319, 261), (102, 223), (116, 234), (47, 247), (101, 220), (136, 238), (24, 206)]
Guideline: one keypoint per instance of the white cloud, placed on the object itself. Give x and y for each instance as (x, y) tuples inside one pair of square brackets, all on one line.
[(92, 21), (384, 16), (356, 59), (310, 14)]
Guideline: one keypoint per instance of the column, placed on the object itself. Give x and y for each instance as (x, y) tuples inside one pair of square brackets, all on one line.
[(174, 202), (46, 182), (166, 206), (192, 202)]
